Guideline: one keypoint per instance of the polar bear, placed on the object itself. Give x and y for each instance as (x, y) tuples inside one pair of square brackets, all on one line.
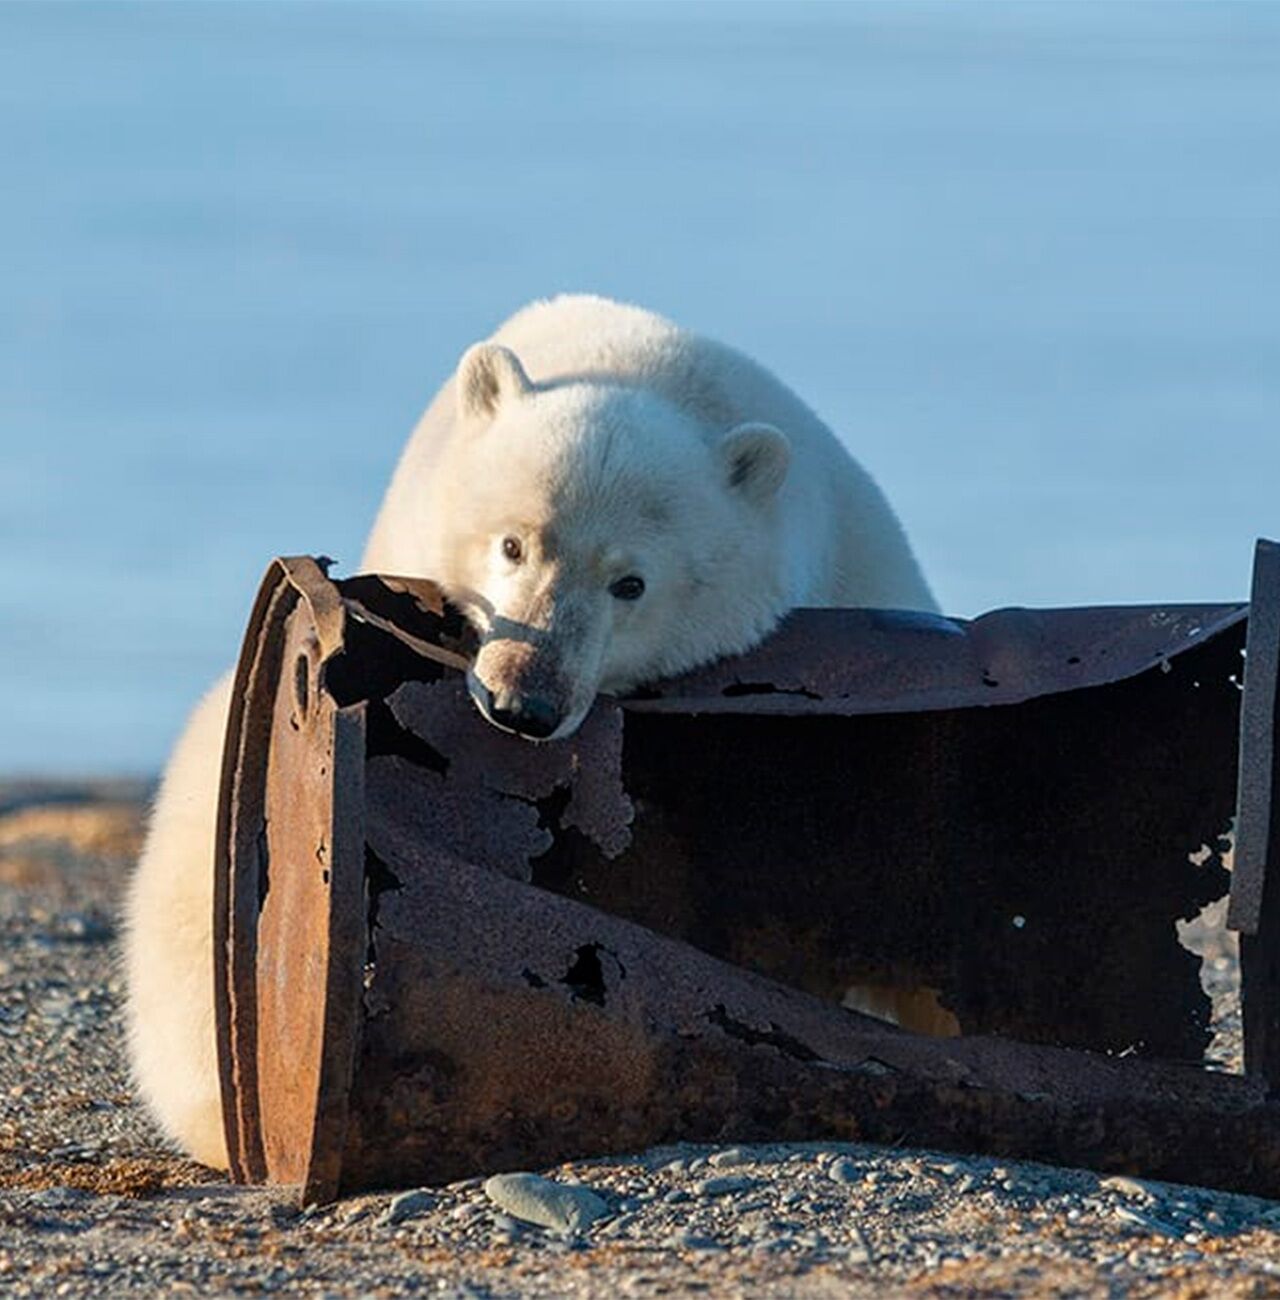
[(611, 499)]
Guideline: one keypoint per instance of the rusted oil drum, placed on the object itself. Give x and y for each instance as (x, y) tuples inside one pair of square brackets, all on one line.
[(444, 950)]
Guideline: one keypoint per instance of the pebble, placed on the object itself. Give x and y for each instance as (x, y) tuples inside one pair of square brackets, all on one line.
[(407, 1205), (723, 1185), (844, 1171), (726, 1159), (858, 1253), (1127, 1187), (1145, 1221), (692, 1241), (59, 1198), (562, 1207), (617, 1227), (58, 1006), (83, 928)]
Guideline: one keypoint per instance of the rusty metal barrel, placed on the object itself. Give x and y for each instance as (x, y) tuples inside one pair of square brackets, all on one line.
[(444, 950)]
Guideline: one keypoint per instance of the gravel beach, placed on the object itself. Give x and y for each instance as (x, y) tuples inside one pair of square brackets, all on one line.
[(92, 1202)]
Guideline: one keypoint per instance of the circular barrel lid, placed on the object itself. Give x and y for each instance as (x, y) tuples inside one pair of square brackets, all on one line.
[(289, 911)]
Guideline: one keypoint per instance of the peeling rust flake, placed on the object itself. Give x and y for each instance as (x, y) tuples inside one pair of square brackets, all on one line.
[(485, 761)]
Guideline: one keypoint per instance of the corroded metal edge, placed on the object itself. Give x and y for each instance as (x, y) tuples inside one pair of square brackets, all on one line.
[(238, 863), (1255, 890), (240, 813), (1256, 833), (842, 662)]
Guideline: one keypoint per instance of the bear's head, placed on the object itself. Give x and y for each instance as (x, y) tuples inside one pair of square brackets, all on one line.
[(598, 538)]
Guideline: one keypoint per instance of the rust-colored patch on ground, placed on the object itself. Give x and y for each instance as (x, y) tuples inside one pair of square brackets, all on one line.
[(134, 1177), (111, 830)]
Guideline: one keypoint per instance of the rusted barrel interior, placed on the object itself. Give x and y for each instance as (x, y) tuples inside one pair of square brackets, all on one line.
[(447, 950)]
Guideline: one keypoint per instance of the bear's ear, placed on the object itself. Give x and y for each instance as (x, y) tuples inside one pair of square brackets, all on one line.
[(488, 376), (755, 458)]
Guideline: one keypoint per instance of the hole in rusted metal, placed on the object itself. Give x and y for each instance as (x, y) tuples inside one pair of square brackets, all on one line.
[(385, 736), (557, 867), (1206, 936), (379, 878), (767, 688), (446, 626), (647, 692), (373, 662), (771, 1037), (585, 978), (302, 685), (264, 868), (551, 810)]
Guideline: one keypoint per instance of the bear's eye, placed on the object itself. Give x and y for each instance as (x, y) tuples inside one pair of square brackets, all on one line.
[(629, 588), (512, 549)]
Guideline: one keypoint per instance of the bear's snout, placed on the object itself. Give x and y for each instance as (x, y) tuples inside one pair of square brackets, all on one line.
[(522, 689), (533, 716)]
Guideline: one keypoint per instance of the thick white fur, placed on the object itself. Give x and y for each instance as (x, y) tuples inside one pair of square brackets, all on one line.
[(169, 942), (500, 449), (840, 544)]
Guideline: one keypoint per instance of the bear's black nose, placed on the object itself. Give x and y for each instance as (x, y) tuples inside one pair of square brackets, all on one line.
[(526, 715)]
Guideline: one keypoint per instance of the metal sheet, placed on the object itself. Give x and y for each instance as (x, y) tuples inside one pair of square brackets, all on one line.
[(1028, 862), (1255, 893), (1256, 833), (852, 661)]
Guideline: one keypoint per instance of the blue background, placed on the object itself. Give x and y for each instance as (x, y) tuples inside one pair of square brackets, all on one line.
[(1024, 258)]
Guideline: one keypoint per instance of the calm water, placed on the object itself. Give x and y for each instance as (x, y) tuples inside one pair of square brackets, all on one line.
[(1026, 258)]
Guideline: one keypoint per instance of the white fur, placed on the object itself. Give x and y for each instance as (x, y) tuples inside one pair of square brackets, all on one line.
[(587, 418), (611, 443), (168, 947), (840, 542)]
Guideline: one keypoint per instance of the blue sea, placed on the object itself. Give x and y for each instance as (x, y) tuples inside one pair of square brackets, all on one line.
[(1025, 258)]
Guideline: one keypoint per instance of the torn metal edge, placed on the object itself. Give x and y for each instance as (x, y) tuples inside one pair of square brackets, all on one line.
[(1257, 835)]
